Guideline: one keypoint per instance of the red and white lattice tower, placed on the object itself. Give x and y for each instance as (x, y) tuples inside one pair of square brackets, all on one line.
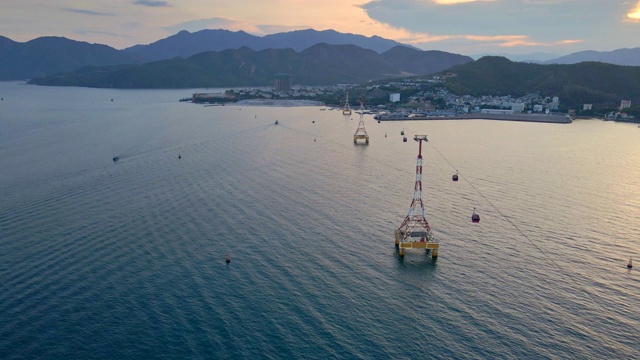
[(361, 133), (415, 232)]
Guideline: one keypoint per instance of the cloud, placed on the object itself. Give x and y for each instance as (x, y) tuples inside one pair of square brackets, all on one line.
[(634, 14), (152, 3), (103, 33), (502, 23), (495, 40), (87, 12)]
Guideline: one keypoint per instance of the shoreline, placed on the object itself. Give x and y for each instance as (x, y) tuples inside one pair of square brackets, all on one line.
[(554, 119), (282, 103)]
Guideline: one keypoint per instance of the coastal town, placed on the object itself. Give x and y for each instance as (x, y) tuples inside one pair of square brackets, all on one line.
[(414, 99)]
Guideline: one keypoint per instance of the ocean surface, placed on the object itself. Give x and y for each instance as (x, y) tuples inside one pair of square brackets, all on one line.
[(126, 260)]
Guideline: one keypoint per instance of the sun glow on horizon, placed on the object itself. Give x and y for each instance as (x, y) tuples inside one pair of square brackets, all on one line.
[(635, 13), (454, 2)]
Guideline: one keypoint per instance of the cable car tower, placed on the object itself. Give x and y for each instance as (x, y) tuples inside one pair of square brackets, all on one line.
[(361, 133), (415, 232), (347, 108)]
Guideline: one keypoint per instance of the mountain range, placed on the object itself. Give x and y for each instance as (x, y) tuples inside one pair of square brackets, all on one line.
[(629, 57), (185, 44), (321, 64), (50, 55)]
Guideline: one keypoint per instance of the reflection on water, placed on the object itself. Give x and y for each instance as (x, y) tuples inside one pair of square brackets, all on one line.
[(126, 260)]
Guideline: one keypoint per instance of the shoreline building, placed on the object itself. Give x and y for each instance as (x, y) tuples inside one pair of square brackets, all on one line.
[(625, 104), (282, 82)]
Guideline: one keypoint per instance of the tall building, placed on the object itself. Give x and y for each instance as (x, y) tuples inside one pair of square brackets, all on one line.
[(625, 104), (283, 82), (395, 97)]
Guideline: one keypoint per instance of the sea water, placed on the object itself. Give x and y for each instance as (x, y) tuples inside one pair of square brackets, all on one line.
[(114, 260)]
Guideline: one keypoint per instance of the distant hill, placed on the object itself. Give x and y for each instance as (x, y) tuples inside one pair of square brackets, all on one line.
[(302, 39), (537, 57), (185, 44), (629, 57), (321, 64), (587, 82), (418, 62), (48, 55)]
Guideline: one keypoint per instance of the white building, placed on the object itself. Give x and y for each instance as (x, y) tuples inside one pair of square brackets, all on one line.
[(395, 97), (517, 107), (496, 111), (555, 103), (587, 107), (537, 108), (625, 104)]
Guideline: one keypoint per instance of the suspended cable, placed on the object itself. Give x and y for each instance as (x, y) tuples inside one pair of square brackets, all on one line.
[(556, 264)]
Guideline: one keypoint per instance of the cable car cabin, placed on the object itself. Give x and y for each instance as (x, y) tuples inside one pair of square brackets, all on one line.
[(404, 139), (475, 217), (455, 176)]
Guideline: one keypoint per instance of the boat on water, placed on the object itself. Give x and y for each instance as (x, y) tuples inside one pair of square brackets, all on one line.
[(228, 260), (116, 158), (276, 122)]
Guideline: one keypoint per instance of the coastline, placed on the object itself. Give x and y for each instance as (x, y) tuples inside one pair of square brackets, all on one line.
[(553, 118), (284, 103)]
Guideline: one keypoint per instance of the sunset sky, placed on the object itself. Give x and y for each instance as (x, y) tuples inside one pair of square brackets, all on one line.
[(466, 27)]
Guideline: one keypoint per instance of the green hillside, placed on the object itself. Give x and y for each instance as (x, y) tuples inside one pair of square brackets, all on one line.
[(587, 82)]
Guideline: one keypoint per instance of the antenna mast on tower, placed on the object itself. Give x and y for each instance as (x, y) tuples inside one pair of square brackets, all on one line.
[(415, 232)]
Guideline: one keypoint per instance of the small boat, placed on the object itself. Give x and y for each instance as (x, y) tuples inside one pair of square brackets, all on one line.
[(276, 122), (402, 132), (404, 139), (116, 158), (630, 264), (179, 156), (455, 176), (475, 217), (228, 260)]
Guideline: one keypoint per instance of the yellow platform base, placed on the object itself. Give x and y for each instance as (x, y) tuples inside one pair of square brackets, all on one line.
[(419, 245)]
